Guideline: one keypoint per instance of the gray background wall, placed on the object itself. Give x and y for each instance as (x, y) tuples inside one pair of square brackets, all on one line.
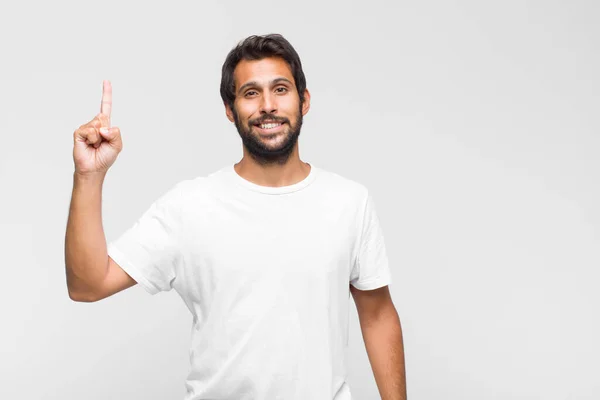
[(474, 124)]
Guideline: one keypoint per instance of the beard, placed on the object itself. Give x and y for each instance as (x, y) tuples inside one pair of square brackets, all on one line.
[(259, 149)]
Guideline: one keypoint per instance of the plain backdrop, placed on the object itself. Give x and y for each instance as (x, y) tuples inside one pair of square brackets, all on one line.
[(474, 124)]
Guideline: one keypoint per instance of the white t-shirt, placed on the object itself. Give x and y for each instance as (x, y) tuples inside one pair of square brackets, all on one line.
[(265, 272)]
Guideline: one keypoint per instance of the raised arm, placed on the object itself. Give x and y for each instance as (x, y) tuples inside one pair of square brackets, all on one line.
[(91, 273)]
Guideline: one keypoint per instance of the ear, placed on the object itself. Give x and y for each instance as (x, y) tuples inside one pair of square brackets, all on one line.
[(229, 113), (306, 104)]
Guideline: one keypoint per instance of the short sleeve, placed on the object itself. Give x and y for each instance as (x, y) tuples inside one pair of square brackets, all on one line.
[(150, 250), (371, 268)]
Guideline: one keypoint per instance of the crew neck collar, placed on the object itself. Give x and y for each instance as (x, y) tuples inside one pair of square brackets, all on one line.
[(273, 189)]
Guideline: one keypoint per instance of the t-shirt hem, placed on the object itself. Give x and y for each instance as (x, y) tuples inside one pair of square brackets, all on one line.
[(375, 283), (133, 271)]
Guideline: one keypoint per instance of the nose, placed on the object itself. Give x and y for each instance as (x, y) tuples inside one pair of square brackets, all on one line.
[(268, 104)]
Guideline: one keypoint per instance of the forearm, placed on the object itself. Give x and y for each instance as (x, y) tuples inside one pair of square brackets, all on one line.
[(385, 349), (86, 257)]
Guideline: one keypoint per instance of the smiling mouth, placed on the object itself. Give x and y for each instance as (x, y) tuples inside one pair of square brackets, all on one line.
[(270, 127)]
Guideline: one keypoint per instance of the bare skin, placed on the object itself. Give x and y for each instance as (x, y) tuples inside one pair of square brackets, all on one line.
[(95, 151), (91, 273), (268, 95)]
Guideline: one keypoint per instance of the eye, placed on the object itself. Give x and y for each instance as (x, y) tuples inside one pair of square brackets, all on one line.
[(248, 92), (284, 89)]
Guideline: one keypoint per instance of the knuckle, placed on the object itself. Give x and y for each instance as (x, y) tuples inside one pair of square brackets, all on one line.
[(90, 134), (81, 132)]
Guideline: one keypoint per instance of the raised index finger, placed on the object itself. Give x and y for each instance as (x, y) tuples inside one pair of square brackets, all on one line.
[(106, 105)]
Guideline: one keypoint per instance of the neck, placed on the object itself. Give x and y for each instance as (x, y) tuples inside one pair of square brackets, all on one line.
[(287, 173)]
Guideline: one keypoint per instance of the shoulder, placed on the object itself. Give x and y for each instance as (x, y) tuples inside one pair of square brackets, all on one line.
[(343, 186), (202, 190), (199, 184)]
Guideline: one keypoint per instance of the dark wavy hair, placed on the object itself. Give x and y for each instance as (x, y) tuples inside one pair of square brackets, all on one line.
[(256, 48)]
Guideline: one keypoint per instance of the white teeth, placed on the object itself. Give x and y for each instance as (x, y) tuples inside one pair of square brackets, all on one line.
[(269, 126)]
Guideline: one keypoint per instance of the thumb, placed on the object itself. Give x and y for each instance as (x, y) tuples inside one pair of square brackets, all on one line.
[(112, 136), (107, 133)]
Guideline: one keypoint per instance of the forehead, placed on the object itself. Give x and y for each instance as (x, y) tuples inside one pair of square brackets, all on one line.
[(261, 71)]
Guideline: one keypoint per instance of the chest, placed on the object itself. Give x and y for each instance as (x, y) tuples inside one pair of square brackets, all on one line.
[(311, 242)]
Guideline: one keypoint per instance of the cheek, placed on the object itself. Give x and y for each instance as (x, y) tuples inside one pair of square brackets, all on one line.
[(246, 110), (292, 108)]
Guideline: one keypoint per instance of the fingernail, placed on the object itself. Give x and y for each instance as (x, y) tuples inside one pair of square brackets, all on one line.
[(103, 130)]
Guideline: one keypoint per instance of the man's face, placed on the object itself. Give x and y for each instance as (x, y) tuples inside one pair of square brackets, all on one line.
[(267, 110)]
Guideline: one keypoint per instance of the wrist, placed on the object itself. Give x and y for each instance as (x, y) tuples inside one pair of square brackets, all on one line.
[(89, 177)]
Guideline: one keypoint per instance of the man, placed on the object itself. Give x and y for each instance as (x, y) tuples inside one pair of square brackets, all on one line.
[(265, 253)]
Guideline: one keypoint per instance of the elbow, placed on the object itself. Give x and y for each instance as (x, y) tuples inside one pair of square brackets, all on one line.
[(81, 297), (77, 291)]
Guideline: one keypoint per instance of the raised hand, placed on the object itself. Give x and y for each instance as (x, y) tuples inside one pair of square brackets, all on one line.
[(96, 144)]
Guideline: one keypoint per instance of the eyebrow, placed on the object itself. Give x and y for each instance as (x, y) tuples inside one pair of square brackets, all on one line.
[(254, 83)]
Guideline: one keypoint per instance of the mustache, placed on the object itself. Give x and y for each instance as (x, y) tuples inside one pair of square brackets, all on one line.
[(265, 118)]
